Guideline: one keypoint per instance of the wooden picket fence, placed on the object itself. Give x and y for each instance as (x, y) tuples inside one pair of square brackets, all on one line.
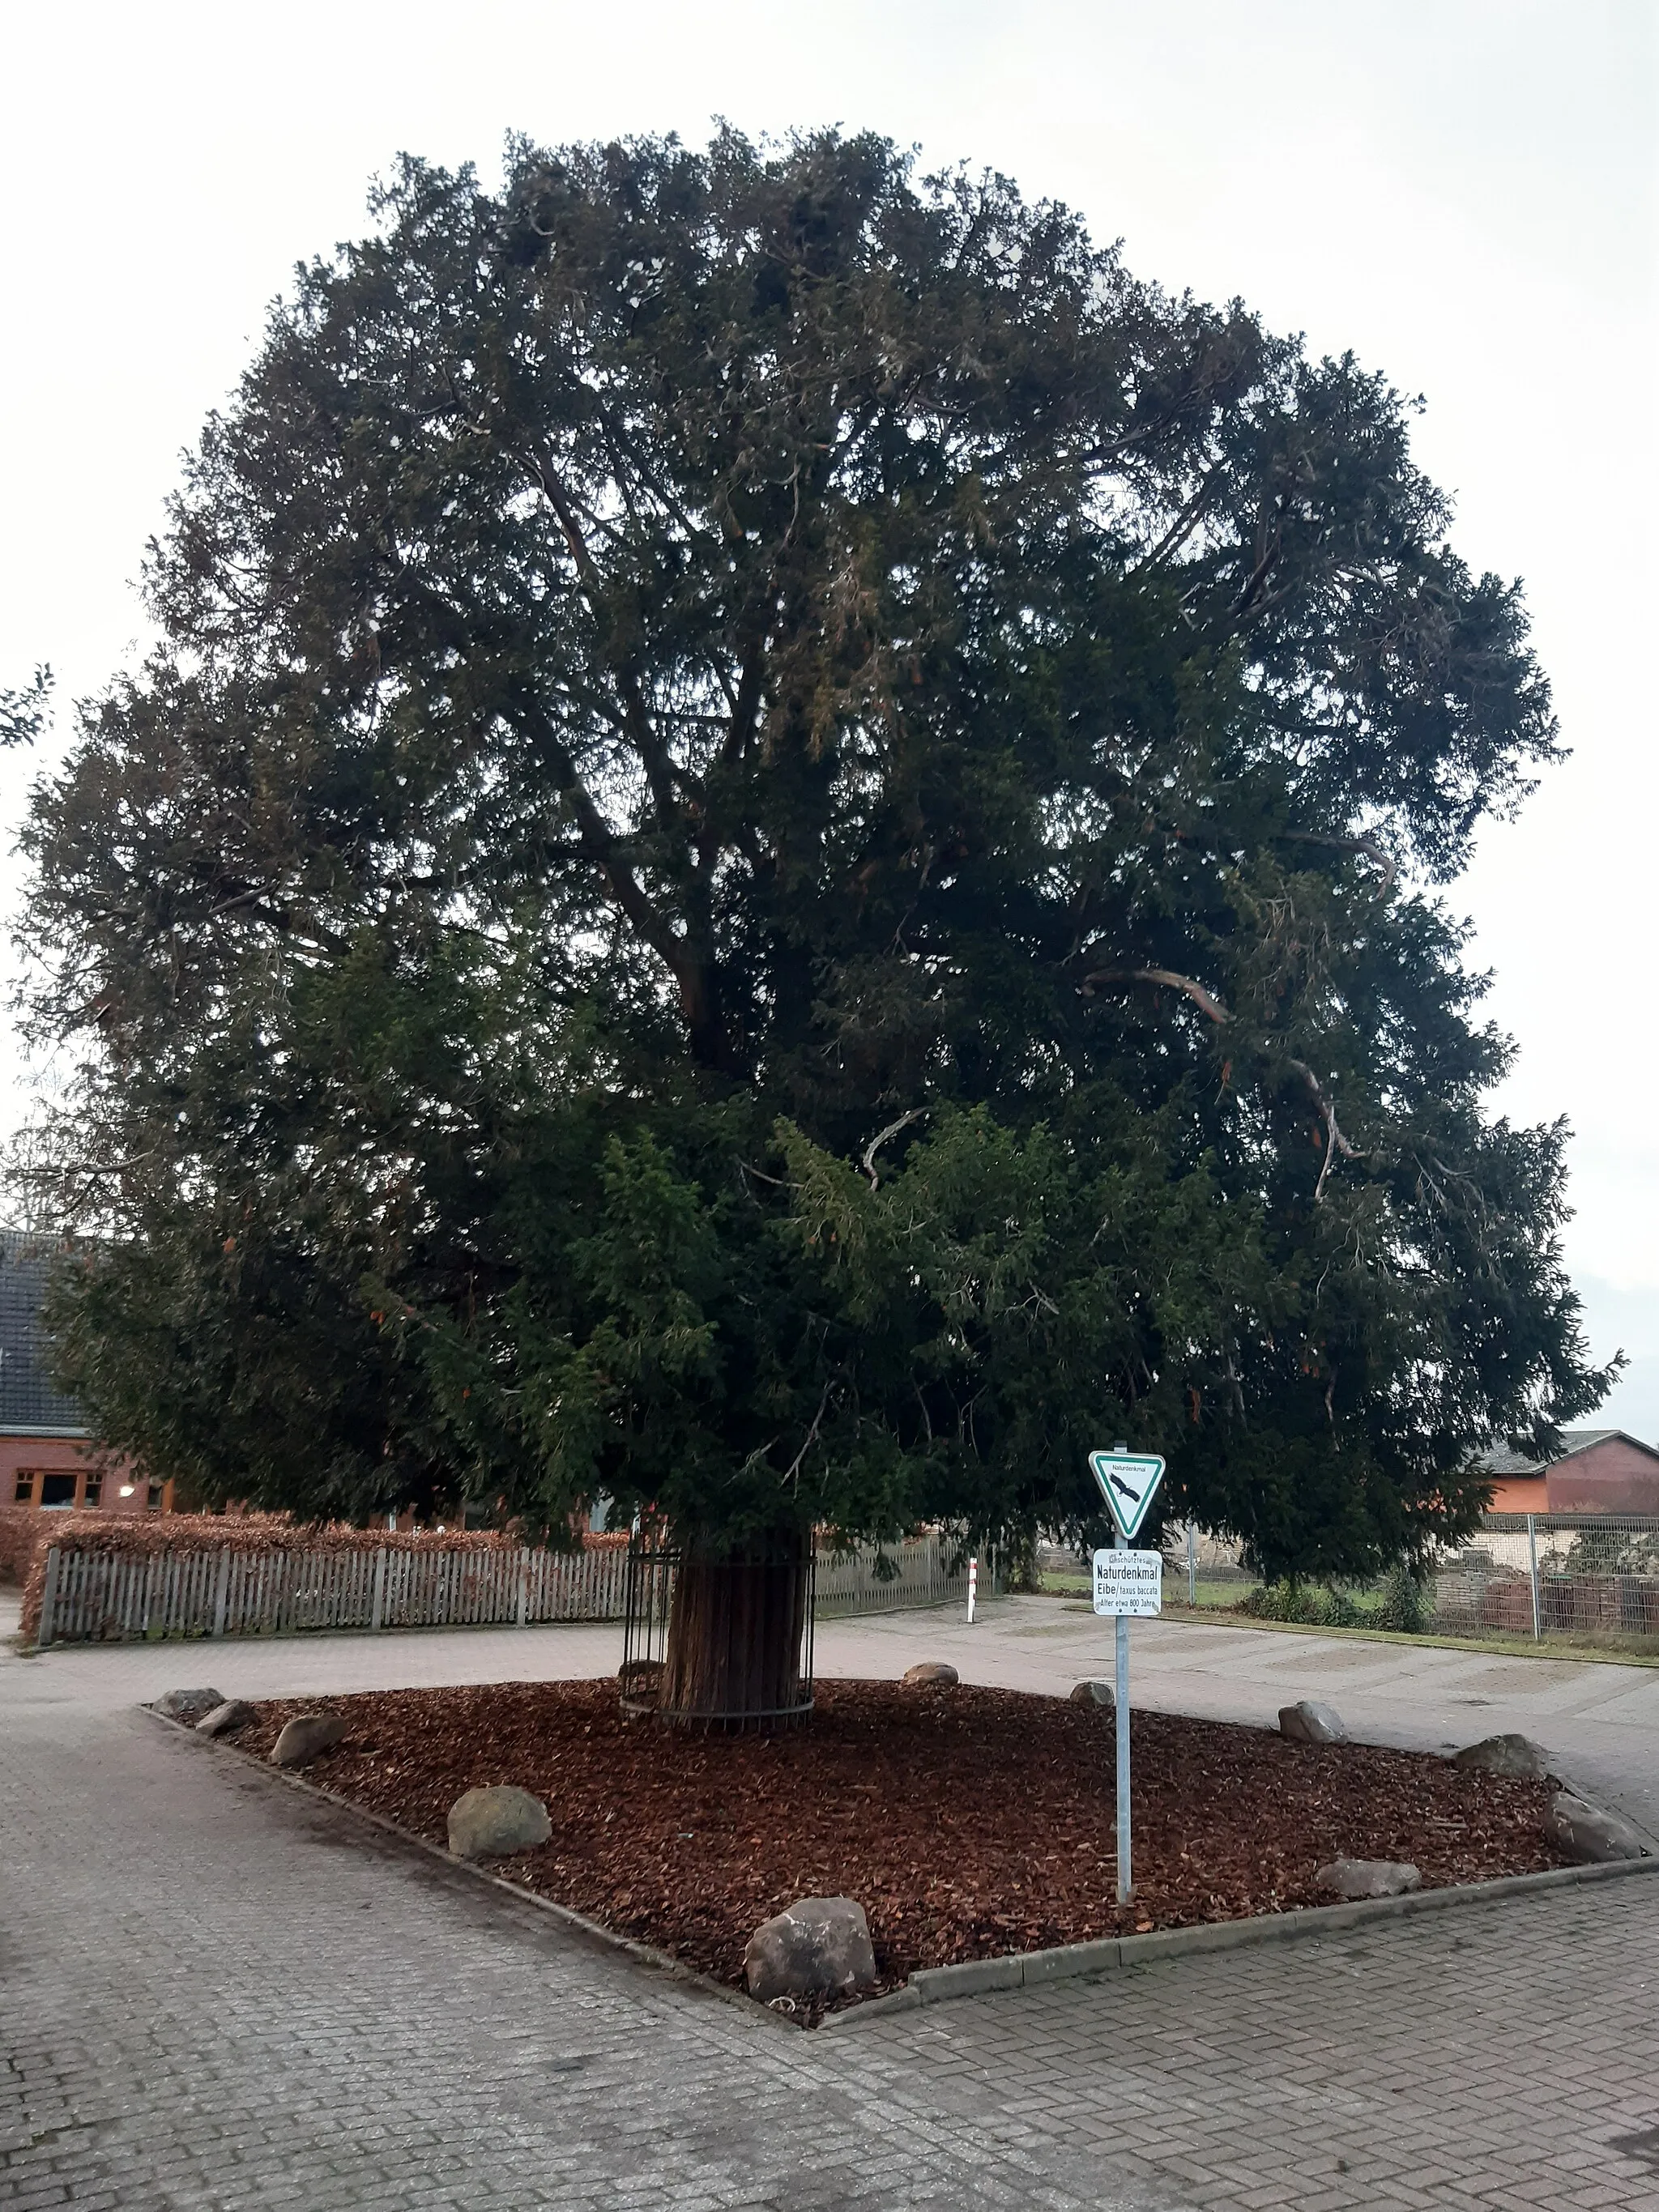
[(94, 1597), (925, 1571)]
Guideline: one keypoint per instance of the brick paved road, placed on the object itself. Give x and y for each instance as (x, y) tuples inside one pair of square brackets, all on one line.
[(214, 1993), (1500, 2056)]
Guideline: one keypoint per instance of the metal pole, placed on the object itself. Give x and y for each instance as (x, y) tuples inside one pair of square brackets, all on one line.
[(1192, 1563), (972, 1586), (1121, 1701), (1531, 1558)]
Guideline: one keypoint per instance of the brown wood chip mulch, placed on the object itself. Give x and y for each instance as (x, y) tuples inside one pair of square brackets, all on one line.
[(967, 1822)]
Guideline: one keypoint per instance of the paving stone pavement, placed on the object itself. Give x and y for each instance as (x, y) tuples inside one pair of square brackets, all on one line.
[(216, 1993), (1501, 2054)]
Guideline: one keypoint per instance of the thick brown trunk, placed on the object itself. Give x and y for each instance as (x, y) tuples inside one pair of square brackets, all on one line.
[(734, 1634)]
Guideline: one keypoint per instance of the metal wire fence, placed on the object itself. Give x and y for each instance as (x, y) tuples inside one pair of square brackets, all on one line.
[(1589, 1580)]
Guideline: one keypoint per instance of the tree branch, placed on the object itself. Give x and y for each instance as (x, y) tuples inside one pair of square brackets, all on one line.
[(1335, 1142), (1205, 1001), (880, 1138), (1367, 845)]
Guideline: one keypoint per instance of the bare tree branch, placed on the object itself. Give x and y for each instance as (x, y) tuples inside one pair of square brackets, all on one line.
[(1367, 845), (880, 1138), (1335, 1142), (1205, 1001)]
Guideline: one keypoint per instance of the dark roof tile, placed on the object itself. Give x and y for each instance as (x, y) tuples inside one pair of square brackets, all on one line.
[(28, 1401)]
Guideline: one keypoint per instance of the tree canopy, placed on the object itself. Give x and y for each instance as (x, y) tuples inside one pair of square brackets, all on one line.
[(781, 860)]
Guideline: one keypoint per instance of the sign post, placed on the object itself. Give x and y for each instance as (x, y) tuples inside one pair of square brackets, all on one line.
[(1127, 1584)]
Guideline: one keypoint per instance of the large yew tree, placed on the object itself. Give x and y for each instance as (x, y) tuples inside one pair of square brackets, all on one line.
[(779, 862)]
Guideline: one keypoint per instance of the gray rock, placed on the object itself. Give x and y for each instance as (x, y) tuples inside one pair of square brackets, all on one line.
[(225, 1719), (493, 1822), (1307, 1721), (817, 1947), (1369, 1877), (926, 1671), (306, 1734), (1515, 1756), (189, 1705), (1587, 1833), (1094, 1694)]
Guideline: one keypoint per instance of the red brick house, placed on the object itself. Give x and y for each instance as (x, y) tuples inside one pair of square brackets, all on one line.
[(47, 1459), (1598, 1471)]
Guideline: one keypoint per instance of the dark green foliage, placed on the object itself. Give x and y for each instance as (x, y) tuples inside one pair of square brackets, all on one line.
[(1311, 1605), (23, 714), (1405, 1600), (775, 862)]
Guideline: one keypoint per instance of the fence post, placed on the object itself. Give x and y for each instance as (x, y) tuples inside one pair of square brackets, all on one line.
[(221, 1585), (377, 1604), (1532, 1562), (524, 1587), (48, 1598)]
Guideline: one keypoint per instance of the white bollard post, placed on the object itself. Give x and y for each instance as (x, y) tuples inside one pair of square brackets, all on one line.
[(973, 1585)]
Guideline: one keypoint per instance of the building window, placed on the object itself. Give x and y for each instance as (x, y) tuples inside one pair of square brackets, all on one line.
[(25, 1486), (93, 1492), (155, 1499), (58, 1489)]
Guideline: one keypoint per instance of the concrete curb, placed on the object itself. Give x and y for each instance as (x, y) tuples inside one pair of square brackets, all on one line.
[(644, 1954), (932, 1985)]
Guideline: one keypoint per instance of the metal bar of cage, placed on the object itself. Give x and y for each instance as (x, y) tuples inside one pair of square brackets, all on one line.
[(654, 1563)]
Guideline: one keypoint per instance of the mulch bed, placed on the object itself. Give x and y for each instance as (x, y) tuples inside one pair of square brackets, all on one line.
[(967, 1822)]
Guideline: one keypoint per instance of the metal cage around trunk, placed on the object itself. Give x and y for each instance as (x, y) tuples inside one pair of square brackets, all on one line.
[(718, 1637)]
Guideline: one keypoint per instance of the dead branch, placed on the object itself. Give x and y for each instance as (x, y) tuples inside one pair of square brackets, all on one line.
[(1205, 1001), (1366, 846), (792, 1474), (880, 1138), (1335, 1142)]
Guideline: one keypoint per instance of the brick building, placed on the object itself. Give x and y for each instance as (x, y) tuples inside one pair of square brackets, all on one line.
[(47, 1459), (1598, 1471)]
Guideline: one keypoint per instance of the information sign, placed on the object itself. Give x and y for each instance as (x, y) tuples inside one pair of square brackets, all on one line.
[(1129, 1583), (1128, 1482)]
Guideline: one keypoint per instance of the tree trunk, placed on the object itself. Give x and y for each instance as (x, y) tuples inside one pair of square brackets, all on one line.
[(734, 1633)]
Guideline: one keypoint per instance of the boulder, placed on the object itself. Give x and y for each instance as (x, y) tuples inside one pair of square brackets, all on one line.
[(1307, 1721), (305, 1736), (1094, 1694), (1516, 1757), (225, 1719), (817, 1947), (1369, 1877), (189, 1705), (929, 1671), (489, 1824), (1587, 1833)]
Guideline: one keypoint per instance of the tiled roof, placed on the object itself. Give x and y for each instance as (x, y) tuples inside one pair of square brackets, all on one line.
[(28, 1401), (1572, 1440)]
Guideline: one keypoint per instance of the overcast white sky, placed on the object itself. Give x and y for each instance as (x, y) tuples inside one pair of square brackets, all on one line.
[(1461, 190)]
